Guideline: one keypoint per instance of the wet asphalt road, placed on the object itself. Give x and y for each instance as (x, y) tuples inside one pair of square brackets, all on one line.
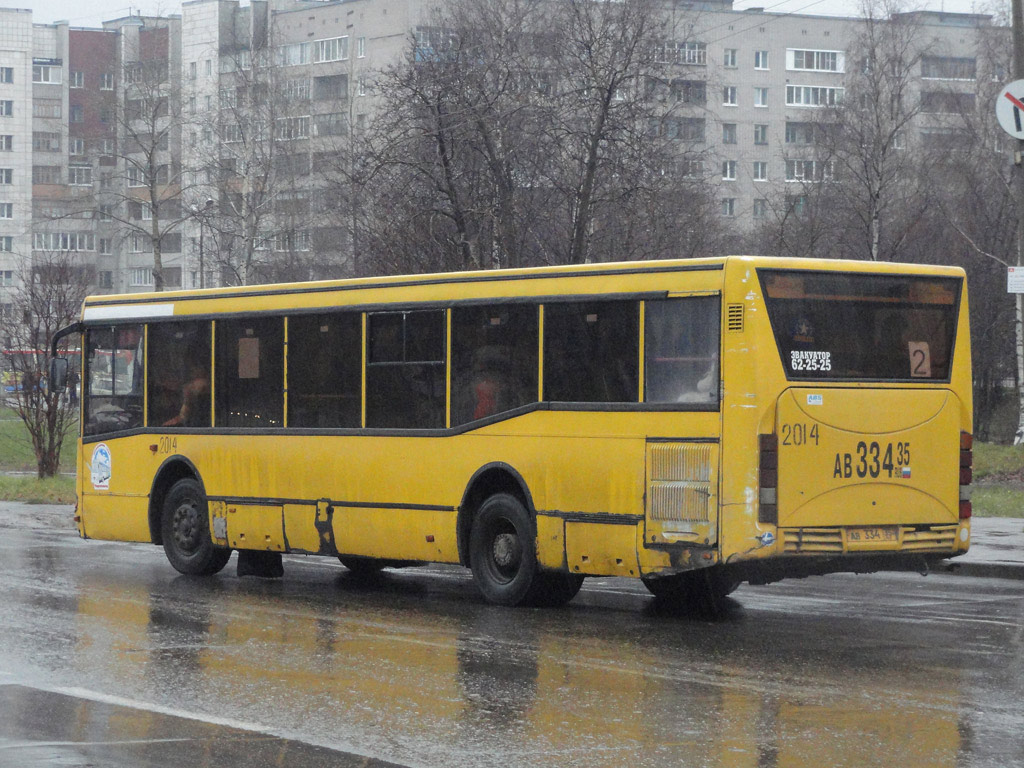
[(110, 658)]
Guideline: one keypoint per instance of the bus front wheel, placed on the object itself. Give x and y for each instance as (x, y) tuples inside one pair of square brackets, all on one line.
[(502, 552), (185, 525)]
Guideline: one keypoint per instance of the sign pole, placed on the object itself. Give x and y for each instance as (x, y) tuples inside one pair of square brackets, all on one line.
[(1017, 12)]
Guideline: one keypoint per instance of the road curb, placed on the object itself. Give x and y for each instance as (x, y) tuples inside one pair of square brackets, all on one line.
[(984, 570)]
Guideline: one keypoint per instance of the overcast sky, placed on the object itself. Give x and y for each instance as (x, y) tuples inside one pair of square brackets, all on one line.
[(92, 12)]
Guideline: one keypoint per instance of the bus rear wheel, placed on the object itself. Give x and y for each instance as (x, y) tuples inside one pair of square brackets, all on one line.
[(502, 551), (185, 526)]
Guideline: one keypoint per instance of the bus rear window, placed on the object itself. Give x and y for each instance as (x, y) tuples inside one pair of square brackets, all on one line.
[(830, 325)]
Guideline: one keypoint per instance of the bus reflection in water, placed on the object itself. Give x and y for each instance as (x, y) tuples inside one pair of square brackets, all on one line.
[(693, 423)]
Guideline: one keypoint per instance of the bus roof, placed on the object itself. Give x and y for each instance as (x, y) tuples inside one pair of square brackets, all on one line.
[(207, 300)]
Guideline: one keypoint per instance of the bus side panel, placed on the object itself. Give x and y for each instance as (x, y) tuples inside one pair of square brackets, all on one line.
[(423, 535), (114, 517), (115, 478)]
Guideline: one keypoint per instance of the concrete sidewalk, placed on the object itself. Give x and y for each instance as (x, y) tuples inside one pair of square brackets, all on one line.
[(997, 549), (997, 543)]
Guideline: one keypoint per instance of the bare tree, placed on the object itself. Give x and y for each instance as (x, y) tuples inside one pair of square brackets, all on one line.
[(526, 132), (149, 120), (265, 153), (48, 297)]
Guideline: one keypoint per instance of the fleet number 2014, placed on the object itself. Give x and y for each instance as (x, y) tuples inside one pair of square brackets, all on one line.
[(873, 460)]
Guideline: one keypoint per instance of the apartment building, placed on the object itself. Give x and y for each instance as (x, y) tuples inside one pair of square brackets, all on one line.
[(71, 172)]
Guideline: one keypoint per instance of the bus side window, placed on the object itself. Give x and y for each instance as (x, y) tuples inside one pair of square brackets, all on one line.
[(591, 352), (179, 374), (405, 370), (324, 365), (681, 350), (250, 372), (494, 360), (113, 379)]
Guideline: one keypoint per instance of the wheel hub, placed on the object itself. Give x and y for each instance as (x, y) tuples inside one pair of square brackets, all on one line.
[(507, 551), (186, 524)]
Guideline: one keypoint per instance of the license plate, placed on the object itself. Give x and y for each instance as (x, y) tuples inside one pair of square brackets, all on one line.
[(868, 538)]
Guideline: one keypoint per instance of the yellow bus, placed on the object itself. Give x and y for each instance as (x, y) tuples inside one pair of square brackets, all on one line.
[(692, 423)]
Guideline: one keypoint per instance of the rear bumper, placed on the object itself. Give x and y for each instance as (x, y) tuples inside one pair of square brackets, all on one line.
[(799, 567), (944, 538)]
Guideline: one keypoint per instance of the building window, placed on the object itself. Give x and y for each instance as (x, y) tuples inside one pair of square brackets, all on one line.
[(808, 170), (106, 212), (948, 68), (729, 96), (760, 170), (107, 81), (760, 59), (45, 142), (728, 170), (800, 133), (106, 278), (815, 61), (671, 128), (674, 52), (292, 127), (947, 102), (760, 97), (46, 108), (6, 142), (209, 67), (43, 73), (105, 249), (6, 210), (729, 58), (193, 70), (760, 134), (77, 80), (332, 49), (361, 47), (140, 277), (76, 113), (292, 54), (107, 146), (728, 206), (7, 175), (760, 207), (7, 243), (136, 178), (812, 96), (7, 278), (76, 146), (146, 212), (728, 133), (80, 175), (6, 108), (6, 74), (63, 241)]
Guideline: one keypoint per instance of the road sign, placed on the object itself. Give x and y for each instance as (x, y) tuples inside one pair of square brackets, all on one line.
[(1010, 109), (1015, 279)]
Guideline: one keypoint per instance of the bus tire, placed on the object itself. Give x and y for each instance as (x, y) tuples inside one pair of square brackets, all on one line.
[(185, 525), (502, 551), (552, 589)]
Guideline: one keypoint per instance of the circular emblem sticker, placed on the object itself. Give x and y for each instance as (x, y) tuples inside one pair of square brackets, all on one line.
[(101, 467)]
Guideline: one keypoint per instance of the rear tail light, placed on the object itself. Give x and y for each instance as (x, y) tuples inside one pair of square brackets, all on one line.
[(768, 482), (966, 473)]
